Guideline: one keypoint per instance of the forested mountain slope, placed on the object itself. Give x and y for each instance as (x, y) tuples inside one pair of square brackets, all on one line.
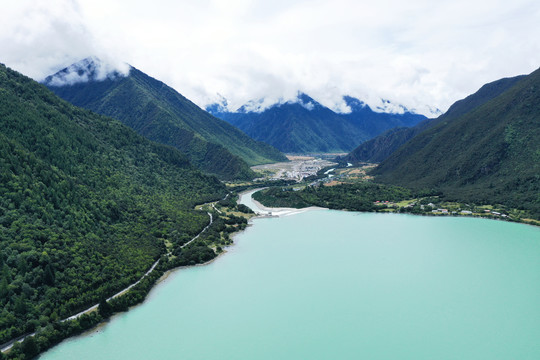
[(382, 146), (159, 113), (86, 205), (488, 154)]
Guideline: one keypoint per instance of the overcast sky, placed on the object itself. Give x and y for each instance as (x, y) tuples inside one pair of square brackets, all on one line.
[(415, 52)]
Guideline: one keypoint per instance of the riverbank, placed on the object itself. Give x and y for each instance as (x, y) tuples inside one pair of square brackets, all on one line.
[(371, 197), (246, 198), (202, 249), (88, 319), (162, 279), (284, 211)]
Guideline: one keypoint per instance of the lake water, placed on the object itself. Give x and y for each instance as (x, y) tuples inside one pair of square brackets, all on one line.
[(342, 285)]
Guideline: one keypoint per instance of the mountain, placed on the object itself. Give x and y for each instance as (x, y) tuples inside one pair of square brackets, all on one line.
[(161, 114), (485, 149), (86, 206), (382, 146), (373, 122), (305, 126)]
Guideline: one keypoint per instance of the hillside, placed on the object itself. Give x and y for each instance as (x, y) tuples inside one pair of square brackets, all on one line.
[(382, 146), (86, 205), (159, 113), (305, 126), (489, 151)]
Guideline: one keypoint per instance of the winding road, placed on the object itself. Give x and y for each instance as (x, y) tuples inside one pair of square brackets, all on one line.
[(9, 345)]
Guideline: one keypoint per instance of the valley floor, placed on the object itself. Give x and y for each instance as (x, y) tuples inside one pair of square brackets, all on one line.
[(298, 168)]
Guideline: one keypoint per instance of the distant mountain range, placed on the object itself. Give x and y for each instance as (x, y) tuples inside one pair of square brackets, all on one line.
[(305, 126), (486, 148), (161, 114)]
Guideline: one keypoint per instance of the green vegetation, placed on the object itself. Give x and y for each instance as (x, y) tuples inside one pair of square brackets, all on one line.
[(86, 206), (105, 309), (239, 187), (197, 252), (161, 114), (487, 155), (382, 146), (367, 196), (358, 196), (379, 148)]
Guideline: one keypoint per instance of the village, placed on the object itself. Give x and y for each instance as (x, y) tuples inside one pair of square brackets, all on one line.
[(417, 206), (298, 168)]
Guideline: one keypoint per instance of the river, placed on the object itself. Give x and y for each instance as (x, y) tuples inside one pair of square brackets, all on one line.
[(328, 284)]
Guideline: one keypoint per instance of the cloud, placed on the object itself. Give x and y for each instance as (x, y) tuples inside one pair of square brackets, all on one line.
[(36, 38), (40, 38), (417, 53), (88, 69)]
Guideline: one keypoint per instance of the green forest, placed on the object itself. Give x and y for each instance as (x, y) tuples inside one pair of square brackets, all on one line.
[(86, 206), (381, 147), (489, 154), (161, 114), (357, 196)]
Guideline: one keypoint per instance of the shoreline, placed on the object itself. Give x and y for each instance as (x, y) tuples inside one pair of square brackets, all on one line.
[(259, 213), (101, 324), (174, 279), (291, 211), (273, 212), (279, 212), (7, 346)]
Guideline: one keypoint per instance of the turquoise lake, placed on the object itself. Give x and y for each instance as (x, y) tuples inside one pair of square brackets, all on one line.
[(342, 285)]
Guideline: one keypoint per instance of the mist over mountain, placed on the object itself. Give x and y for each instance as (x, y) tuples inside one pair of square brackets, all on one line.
[(160, 113), (382, 146), (303, 125), (88, 69)]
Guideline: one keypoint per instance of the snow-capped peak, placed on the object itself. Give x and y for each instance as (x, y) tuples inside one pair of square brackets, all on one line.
[(353, 104), (386, 106), (349, 104), (305, 100), (430, 112), (220, 106), (89, 69), (255, 106)]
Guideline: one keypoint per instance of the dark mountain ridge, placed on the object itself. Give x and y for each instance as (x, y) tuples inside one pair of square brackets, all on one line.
[(161, 114)]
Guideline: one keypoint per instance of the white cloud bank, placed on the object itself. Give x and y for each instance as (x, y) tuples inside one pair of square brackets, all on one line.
[(416, 53)]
